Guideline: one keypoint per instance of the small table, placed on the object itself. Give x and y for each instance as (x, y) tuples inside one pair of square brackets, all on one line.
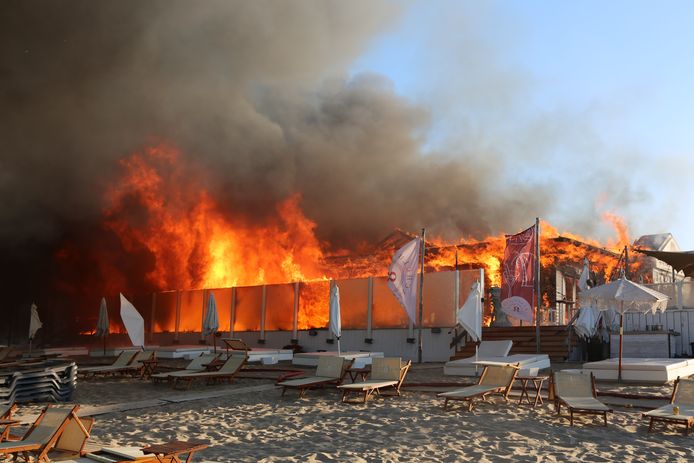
[(171, 451), (148, 367), (537, 382), (5, 433), (355, 373)]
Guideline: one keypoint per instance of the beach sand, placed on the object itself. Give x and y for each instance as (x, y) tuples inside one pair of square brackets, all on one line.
[(258, 424)]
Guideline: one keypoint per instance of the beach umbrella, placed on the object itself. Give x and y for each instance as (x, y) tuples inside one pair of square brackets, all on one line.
[(624, 295), (587, 322), (34, 324), (469, 316), (102, 325), (335, 322), (133, 321), (585, 276), (210, 324)]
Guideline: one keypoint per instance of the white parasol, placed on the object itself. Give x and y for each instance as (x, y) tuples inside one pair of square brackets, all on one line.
[(624, 296), (210, 324), (335, 323), (469, 316), (133, 321), (587, 322), (102, 325), (34, 324)]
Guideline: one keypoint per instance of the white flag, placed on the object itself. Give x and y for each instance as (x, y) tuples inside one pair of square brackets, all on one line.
[(133, 321), (402, 276), (585, 275), (34, 322)]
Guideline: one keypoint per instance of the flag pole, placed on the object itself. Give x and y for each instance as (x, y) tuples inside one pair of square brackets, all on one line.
[(538, 290), (421, 299)]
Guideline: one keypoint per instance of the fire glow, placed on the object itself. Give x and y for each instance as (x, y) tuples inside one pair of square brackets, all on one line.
[(161, 207)]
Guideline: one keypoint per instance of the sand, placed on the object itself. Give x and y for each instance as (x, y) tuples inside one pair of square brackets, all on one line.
[(250, 421)]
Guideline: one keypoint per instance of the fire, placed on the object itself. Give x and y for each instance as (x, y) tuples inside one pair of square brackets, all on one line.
[(162, 210), (161, 205)]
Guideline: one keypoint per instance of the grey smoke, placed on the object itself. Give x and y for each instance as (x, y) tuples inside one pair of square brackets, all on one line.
[(257, 93)]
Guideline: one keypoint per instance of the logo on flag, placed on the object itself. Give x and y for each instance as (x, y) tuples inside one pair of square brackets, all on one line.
[(518, 275), (402, 276)]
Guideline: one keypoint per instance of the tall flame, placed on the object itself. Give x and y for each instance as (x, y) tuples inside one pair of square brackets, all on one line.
[(163, 210)]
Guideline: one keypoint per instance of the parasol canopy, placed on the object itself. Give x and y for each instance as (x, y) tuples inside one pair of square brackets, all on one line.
[(335, 322), (102, 326), (624, 296), (133, 321), (210, 324), (469, 316), (587, 322), (35, 322)]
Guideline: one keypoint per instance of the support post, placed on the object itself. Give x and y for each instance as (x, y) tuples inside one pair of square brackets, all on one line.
[(295, 324), (369, 311), (538, 288), (177, 328), (232, 319), (421, 295), (263, 306)]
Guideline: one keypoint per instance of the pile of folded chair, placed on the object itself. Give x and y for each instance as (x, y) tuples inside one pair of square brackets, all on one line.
[(50, 380)]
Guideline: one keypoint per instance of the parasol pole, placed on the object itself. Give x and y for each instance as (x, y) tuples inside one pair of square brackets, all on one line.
[(621, 333), (538, 298), (421, 300)]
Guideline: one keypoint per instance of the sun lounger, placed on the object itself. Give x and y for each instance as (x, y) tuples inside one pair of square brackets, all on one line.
[(387, 375), (487, 350), (43, 434), (226, 372), (123, 360), (6, 414), (136, 367), (72, 440), (495, 379), (330, 371), (683, 399), (577, 392), (197, 365)]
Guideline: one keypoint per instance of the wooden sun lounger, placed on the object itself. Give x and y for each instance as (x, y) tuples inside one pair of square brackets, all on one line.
[(6, 412), (136, 367), (331, 370), (123, 360), (43, 434), (495, 379), (387, 375), (577, 392), (226, 372), (196, 365), (683, 398)]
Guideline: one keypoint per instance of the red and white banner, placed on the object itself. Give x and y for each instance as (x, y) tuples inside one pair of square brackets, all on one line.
[(518, 275), (402, 276)]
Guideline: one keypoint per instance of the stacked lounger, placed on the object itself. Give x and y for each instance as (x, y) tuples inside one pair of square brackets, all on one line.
[(50, 380)]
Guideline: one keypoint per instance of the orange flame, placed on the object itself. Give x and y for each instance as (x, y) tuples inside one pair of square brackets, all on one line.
[(162, 208)]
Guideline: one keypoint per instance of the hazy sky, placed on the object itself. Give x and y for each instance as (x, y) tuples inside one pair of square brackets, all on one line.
[(594, 97)]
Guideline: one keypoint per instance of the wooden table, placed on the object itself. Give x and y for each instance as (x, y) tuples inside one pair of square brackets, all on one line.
[(537, 382), (171, 451), (6, 430), (355, 373)]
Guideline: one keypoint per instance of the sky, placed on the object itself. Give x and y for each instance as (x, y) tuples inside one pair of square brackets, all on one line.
[(570, 90)]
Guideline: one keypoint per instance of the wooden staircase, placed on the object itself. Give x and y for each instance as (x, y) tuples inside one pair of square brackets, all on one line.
[(554, 341)]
